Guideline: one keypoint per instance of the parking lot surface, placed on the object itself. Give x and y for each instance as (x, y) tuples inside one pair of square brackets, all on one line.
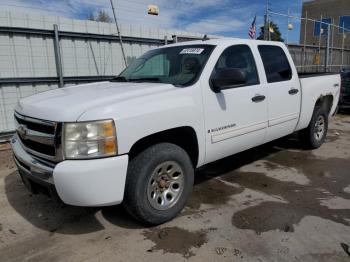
[(273, 203)]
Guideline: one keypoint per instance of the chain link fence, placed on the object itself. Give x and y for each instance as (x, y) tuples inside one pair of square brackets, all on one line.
[(324, 43)]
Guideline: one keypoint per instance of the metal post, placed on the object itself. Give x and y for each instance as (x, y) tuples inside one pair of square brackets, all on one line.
[(327, 49), (265, 27), (319, 41), (165, 40), (269, 33), (119, 35), (342, 47), (332, 49), (175, 39), (56, 45), (305, 35)]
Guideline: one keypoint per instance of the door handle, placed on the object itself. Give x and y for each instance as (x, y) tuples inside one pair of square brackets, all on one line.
[(293, 91), (258, 98)]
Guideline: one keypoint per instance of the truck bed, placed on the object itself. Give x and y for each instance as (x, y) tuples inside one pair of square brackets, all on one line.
[(314, 86), (314, 74)]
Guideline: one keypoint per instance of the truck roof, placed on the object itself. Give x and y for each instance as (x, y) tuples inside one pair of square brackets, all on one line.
[(225, 41)]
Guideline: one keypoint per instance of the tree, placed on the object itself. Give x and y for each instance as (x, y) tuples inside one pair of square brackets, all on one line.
[(275, 35), (91, 17), (102, 16)]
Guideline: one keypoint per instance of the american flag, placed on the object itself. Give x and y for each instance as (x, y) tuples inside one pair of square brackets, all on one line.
[(252, 29)]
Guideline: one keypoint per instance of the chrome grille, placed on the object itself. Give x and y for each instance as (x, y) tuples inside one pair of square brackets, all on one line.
[(39, 137)]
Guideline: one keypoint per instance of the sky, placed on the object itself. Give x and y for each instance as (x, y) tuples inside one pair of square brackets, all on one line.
[(230, 18)]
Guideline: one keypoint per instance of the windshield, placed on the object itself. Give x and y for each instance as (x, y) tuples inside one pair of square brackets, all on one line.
[(178, 65)]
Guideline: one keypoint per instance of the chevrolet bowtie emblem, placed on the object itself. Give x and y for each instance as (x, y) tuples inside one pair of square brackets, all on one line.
[(22, 131)]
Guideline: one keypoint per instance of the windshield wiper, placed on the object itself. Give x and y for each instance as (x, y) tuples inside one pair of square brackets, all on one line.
[(119, 79), (146, 79)]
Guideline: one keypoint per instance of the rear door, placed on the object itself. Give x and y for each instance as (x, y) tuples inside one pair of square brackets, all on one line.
[(283, 88), (235, 118)]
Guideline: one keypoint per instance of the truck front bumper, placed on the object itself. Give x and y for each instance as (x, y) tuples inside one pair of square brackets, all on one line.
[(96, 182)]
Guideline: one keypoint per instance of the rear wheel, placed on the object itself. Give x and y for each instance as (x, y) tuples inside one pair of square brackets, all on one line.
[(315, 134), (159, 181)]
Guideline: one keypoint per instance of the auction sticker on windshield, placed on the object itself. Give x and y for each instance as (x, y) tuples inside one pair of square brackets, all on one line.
[(195, 51)]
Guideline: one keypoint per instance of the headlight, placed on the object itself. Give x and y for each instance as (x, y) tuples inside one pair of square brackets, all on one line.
[(89, 139)]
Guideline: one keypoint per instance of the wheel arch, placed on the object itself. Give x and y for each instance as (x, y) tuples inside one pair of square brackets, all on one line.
[(326, 102), (184, 137)]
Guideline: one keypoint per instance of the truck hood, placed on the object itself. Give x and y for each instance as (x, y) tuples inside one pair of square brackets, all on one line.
[(69, 103)]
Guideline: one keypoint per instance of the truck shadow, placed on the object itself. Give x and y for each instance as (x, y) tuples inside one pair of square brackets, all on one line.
[(239, 160), (45, 214), (55, 217)]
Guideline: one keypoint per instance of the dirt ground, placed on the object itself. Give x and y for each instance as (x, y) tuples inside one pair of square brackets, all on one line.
[(273, 203)]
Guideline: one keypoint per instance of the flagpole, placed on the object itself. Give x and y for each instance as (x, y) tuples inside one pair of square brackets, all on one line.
[(255, 29)]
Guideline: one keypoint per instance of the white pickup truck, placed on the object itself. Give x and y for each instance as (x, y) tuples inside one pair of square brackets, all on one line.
[(137, 139)]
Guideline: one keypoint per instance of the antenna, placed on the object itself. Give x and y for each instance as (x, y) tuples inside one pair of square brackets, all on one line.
[(120, 37)]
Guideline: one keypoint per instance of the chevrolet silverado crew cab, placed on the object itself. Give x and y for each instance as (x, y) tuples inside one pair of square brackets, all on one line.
[(137, 139)]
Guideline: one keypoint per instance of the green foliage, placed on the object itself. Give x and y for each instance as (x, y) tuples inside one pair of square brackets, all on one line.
[(102, 16), (275, 36)]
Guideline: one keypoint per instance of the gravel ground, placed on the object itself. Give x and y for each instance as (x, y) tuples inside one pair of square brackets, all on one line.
[(273, 203)]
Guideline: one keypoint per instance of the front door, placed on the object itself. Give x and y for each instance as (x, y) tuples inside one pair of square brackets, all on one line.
[(235, 118)]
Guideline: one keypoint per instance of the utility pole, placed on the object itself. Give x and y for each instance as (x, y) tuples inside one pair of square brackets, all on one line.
[(288, 20), (267, 26), (120, 37)]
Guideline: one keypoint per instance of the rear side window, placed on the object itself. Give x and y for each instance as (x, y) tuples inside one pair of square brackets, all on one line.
[(276, 64)]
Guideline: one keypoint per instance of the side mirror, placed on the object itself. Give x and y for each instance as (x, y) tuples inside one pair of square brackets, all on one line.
[(228, 78)]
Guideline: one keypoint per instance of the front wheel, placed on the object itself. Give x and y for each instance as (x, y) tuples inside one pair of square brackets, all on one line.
[(315, 134), (159, 181)]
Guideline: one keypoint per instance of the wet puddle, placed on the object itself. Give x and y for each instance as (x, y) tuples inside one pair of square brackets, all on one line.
[(176, 240), (331, 138), (212, 192), (328, 178)]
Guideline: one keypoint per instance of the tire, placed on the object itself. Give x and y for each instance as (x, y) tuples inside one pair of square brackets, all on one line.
[(315, 134), (159, 182)]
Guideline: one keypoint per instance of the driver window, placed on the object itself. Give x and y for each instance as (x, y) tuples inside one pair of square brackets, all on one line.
[(239, 57)]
